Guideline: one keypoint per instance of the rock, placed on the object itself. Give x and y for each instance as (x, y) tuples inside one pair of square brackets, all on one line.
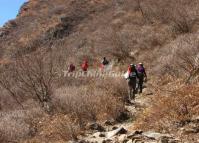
[(96, 126), (71, 142), (109, 122), (120, 130), (122, 138), (164, 140), (83, 141), (134, 133), (130, 141), (174, 141), (190, 130), (139, 141), (114, 128), (123, 117), (156, 136), (195, 119), (98, 134), (107, 141)]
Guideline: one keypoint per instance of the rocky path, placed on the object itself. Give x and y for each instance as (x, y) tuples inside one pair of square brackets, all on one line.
[(112, 132)]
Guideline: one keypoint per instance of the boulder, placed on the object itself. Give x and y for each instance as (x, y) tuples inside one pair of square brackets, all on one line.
[(190, 130), (113, 133), (98, 134), (122, 138), (155, 136), (195, 119), (83, 141), (96, 126), (107, 141), (134, 133), (109, 122), (123, 116), (114, 127)]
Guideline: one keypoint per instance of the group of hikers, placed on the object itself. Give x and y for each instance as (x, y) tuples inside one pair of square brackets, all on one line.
[(85, 65), (135, 75)]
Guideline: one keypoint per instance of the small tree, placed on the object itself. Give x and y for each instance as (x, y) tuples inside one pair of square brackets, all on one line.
[(30, 76)]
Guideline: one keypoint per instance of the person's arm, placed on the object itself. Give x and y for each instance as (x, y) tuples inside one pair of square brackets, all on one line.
[(137, 74), (145, 75)]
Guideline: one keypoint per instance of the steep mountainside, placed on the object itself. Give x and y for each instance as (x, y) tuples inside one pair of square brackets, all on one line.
[(39, 102)]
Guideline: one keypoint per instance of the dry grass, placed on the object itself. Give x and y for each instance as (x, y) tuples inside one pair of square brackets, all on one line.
[(91, 102), (18, 124), (147, 31)]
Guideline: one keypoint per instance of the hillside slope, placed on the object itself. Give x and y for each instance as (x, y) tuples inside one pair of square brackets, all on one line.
[(38, 103)]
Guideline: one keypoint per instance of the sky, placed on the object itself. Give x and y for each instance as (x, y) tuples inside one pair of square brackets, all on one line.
[(9, 9)]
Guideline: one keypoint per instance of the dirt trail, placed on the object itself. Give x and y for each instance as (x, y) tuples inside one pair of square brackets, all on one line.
[(110, 132)]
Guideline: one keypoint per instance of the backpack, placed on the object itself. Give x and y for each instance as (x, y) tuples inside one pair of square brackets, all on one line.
[(105, 62), (132, 75), (140, 71), (84, 66)]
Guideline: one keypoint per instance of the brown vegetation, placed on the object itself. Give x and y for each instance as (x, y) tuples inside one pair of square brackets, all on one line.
[(48, 35), (168, 113)]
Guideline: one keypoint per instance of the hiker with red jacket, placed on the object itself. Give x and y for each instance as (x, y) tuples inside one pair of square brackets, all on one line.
[(71, 68), (85, 66), (141, 76)]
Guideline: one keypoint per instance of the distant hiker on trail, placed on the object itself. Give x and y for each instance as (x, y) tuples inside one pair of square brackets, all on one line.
[(104, 63), (132, 76), (85, 66), (141, 76), (71, 68)]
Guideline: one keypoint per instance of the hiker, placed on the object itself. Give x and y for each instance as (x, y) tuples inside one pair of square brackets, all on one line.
[(132, 76), (104, 63), (85, 66), (71, 68), (141, 76)]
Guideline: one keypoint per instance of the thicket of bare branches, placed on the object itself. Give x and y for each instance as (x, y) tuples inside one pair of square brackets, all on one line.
[(86, 103), (180, 14), (30, 77), (182, 62), (168, 113)]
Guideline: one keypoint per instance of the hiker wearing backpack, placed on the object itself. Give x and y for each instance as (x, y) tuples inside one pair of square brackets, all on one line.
[(104, 63), (141, 76), (131, 77), (85, 65)]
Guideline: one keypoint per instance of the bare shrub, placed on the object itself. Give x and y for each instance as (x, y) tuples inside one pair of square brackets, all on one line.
[(88, 103), (17, 125), (182, 62), (30, 76), (179, 14), (121, 44), (2, 138), (58, 127), (167, 113), (67, 129)]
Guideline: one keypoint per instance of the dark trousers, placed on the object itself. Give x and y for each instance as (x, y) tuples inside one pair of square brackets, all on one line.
[(140, 84), (132, 88)]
